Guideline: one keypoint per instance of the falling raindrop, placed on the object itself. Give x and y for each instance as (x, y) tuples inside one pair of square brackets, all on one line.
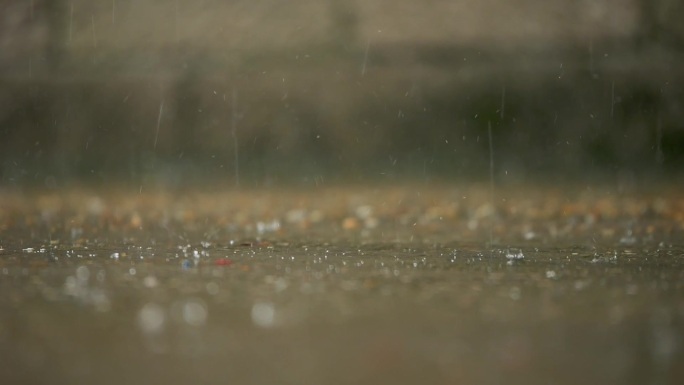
[(233, 132), (365, 59), (159, 117), (491, 182)]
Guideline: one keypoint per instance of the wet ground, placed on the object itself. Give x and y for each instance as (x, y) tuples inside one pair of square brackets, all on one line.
[(420, 283)]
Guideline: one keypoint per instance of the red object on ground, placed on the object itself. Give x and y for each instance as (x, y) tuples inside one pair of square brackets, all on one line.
[(223, 262)]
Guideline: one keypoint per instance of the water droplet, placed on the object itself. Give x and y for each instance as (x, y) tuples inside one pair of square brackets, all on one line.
[(280, 284), (82, 274), (514, 293), (100, 300), (212, 288), (514, 254), (150, 281), (151, 318), (195, 312), (268, 227), (364, 211), (263, 314)]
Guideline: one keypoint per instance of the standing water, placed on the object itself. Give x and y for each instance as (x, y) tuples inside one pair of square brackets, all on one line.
[(342, 285)]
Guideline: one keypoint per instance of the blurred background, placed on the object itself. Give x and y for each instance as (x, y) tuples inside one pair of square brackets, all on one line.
[(172, 93)]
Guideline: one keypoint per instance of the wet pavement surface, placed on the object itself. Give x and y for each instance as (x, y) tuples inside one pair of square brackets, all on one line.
[(423, 283)]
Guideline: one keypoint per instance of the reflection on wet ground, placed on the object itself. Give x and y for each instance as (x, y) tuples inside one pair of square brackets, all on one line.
[(405, 284)]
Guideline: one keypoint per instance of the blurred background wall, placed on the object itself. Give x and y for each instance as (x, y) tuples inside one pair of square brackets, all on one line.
[(176, 92)]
